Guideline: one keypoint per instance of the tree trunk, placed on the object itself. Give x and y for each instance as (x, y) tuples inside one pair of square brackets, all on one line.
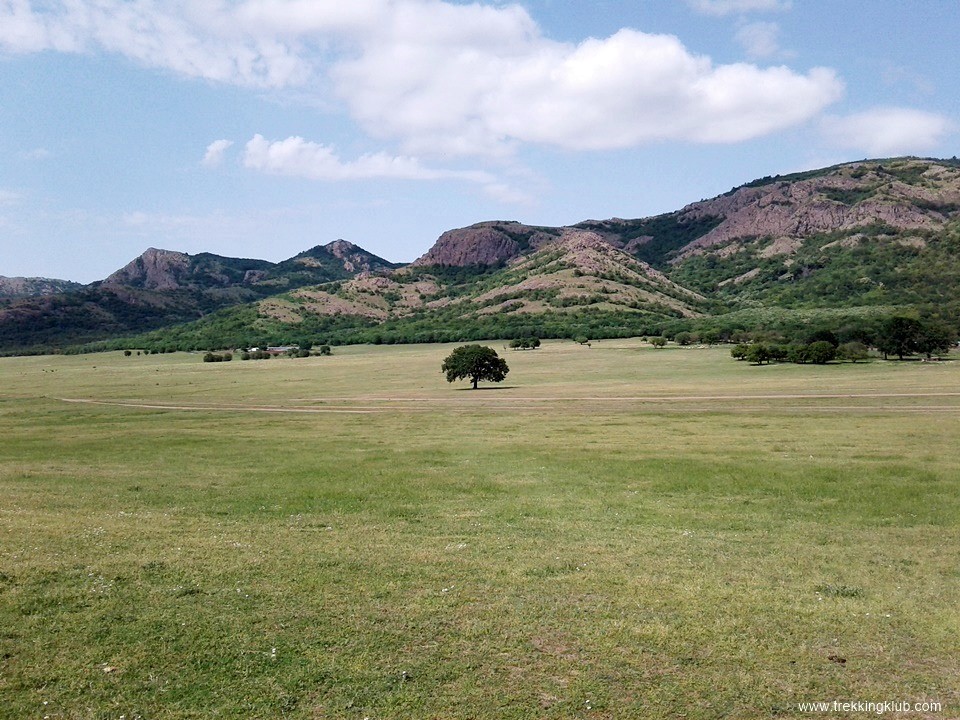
[(475, 383)]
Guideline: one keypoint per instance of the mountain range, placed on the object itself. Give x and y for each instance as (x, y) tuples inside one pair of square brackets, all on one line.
[(867, 234)]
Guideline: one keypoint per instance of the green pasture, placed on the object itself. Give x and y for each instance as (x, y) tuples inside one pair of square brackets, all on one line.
[(614, 532)]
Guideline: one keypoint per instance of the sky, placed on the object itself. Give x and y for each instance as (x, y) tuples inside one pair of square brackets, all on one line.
[(260, 128)]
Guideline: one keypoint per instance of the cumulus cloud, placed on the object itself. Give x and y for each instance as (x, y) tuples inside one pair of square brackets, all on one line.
[(445, 78), (197, 39), (215, 152), (457, 95), (888, 131), (731, 7)]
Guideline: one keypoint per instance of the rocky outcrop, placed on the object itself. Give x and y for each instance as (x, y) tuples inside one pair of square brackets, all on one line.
[(487, 243), (154, 270), (353, 259), (14, 288), (903, 195)]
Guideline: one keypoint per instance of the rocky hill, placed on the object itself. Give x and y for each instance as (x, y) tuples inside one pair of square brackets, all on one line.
[(161, 288), (574, 270), (868, 232), (880, 233), (14, 288)]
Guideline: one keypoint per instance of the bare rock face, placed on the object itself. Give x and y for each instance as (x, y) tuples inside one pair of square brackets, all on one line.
[(154, 270), (487, 243), (905, 195)]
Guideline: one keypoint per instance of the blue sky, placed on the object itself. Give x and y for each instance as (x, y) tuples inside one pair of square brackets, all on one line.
[(259, 128)]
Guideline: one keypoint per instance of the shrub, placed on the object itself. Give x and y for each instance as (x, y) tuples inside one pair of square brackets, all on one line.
[(821, 352), (852, 351), (758, 354)]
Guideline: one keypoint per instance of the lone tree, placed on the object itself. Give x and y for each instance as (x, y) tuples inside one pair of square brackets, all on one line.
[(476, 362)]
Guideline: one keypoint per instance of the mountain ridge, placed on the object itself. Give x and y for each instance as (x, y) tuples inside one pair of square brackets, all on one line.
[(871, 232)]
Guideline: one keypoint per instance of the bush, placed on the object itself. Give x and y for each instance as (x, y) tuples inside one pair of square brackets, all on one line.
[(852, 351), (758, 354), (658, 341), (821, 352), (325, 350)]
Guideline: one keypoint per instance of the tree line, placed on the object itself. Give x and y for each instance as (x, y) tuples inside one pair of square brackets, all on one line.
[(900, 336)]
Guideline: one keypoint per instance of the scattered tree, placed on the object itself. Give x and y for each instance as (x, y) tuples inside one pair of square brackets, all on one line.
[(475, 362), (898, 336), (658, 342), (934, 338)]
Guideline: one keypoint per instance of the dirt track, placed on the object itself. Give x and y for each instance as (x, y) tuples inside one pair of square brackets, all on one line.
[(486, 402)]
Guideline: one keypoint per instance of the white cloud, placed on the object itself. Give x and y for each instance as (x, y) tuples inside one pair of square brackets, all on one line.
[(197, 39), (215, 151), (443, 78), (888, 131), (297, 157), (730, 7), (461, 96), (301, 158), (760, 39)]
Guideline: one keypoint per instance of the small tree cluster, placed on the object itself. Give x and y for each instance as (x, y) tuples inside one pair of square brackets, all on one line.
[(525, 343), (902, 336), (218, 357), (819, 352)]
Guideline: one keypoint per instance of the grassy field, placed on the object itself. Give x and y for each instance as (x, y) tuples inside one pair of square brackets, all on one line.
[(615, 532)]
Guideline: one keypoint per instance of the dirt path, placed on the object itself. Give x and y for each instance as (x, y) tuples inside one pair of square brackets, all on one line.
[(485, 401)]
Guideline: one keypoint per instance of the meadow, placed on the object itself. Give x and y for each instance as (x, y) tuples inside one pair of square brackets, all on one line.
[(613, 532)]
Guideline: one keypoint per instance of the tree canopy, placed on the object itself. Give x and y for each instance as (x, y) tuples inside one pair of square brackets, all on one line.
[(475, 362)]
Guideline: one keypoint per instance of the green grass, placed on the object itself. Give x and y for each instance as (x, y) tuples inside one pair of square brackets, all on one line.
[(616, 532)]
